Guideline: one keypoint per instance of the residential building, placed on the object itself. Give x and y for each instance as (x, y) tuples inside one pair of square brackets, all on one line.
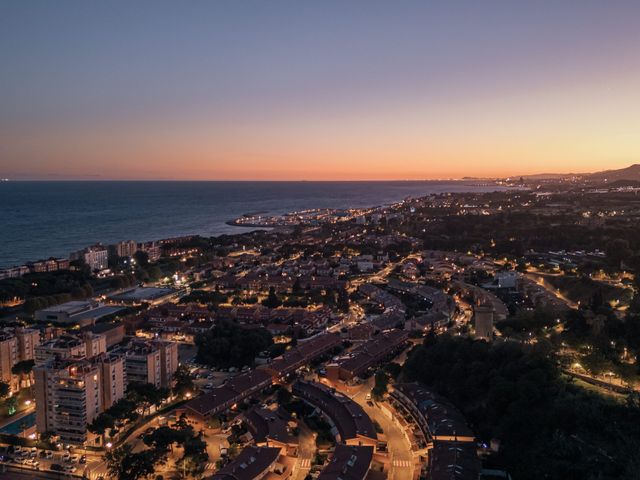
[(95, 344), (253, 463), (27, 339), (96, 257), (69, 398), (228, 394), (170, 362), (483, 316), (62, 347), (350, 423), (367, 355), (8, 357), (126, 248), (112, 378), (348, 462), (143, 363)]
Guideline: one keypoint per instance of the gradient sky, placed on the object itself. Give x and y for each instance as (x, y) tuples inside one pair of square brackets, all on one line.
[(317, 90)]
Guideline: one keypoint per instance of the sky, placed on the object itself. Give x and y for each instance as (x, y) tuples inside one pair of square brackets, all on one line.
[(317, 90)]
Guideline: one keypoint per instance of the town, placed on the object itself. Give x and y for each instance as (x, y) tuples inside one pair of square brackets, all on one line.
[(452, 336)]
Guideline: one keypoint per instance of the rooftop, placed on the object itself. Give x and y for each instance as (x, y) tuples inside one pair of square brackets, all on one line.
[(250, 464), (348, 463), (349, 417)]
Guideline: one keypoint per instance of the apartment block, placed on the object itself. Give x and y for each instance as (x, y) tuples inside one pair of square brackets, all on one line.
[(152, 362), (68, 396), (27, 341), (95, 344), (112, 378), (143, 363), (126, 248), (8, 356), (62, 347), (168, 362)]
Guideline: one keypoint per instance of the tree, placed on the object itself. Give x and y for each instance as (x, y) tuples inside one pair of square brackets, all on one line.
[(272, 300), (101, 424), (11, 403), (124, 464), (123, 409), (227, 344), (343, 300), (617, 251), (23, 369), (381, 383), (163, 438), (5, 389), (195, 457), (183, 381), (145, 394), (141, 258)]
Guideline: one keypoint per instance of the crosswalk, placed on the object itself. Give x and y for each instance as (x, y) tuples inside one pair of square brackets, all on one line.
[(210, 466), (305, 463), (402, 463)]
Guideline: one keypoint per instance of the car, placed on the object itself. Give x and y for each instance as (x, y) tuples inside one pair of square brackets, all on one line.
[(48, 454), (83, 459), (24, 453), (17, 449), (74, 459), (56, 467), (66, 456), (370, 403), (368, 396), (70, 469)]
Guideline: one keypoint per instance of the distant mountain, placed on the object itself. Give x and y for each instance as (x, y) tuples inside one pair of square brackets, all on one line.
[(630, 173)]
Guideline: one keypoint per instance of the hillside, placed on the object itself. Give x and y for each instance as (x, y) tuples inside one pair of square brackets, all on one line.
[(630, 173)]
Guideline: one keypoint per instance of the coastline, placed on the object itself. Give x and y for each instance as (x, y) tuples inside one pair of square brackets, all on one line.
[(348, 193)]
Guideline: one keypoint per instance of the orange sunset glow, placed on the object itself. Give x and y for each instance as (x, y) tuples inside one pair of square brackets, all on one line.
[(397, 95)]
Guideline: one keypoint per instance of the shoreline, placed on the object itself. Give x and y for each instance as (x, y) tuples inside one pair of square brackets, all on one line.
[(256, 226)]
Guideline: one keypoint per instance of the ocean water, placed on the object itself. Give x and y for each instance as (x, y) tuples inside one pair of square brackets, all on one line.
[(43, 219)]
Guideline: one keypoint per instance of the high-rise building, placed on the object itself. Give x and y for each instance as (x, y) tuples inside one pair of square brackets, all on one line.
[(8, 357), (168, 362), (483, 315), (27, 341), (152, 362), (68, 397), (95, 344), (112, 378), (96, 257), (143, 363), (62, 347), (126, 248), (152, 249)]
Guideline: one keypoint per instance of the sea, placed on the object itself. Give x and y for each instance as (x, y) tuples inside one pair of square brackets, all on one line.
[(44, 219)]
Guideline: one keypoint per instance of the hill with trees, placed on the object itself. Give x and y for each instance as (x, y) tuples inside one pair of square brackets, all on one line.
[(547, 427)]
